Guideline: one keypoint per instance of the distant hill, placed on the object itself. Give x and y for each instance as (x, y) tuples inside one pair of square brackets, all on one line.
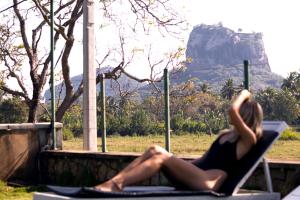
[(110, 85), (217, 54)]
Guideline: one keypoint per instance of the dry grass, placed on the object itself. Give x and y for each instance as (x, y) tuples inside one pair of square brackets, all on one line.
[(285, 150), (190, 145)]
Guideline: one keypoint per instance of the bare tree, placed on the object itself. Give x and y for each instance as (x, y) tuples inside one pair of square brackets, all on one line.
[(20, 45)]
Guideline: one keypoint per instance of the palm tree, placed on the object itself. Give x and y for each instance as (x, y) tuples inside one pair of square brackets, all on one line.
[(228, 90), (205, 88)]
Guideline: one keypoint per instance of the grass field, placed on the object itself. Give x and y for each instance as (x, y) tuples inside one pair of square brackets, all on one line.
[(19, 193), (190, 145)]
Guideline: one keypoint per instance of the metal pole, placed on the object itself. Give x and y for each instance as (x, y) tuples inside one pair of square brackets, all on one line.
[(103, 113), (89, 79), (267, 175), (52, 76), (167, 109), (246, 74)]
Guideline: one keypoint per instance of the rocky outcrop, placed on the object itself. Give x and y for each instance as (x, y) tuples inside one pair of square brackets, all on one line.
[(217, 53)]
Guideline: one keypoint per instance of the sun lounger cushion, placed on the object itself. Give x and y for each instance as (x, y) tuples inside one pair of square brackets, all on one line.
[(132, 191)]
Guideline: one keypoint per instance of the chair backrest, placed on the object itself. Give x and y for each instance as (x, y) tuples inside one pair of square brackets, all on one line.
[(250, 161)]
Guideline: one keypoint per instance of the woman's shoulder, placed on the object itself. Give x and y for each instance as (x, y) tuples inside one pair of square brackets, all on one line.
[(227, 135), (224, 132)]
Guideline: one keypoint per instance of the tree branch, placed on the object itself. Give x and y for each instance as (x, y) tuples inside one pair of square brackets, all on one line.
[(14, 92), (13, 74), (23, 31)]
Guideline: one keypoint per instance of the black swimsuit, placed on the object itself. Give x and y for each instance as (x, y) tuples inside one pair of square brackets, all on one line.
[(220, 156)]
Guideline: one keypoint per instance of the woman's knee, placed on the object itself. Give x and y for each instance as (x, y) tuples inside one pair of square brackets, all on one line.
[(158, 153), (161, 158), (155, 149)]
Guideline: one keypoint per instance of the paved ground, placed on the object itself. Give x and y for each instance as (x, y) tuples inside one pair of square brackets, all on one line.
[(294, 195)]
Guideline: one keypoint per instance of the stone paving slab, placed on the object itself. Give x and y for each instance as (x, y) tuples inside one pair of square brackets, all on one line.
[(250, 196), (294, 195)]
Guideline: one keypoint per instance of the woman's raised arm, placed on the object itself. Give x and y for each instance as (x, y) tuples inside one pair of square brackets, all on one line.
[(245, 132)]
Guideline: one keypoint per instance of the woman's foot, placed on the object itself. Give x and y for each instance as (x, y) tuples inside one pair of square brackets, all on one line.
[(109, 186)]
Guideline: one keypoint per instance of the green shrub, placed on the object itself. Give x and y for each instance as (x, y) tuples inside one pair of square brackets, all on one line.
[(73, 119), (193, 126), (189, 126), (177, 122), (67, 134), (289, 134), (158, 128), (119, 124), (140, 122), (200, 127)]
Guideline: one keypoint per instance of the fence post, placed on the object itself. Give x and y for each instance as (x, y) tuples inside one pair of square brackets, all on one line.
[(103, 113), (167, 110), (246, 74)]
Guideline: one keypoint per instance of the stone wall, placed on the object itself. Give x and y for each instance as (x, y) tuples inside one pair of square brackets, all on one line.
[(85, 168), (20, 145)]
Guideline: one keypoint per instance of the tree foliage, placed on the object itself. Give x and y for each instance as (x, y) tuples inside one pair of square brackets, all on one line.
[(26, 57), (13, 110), (73, 119), (278, 105), (292, 84), (192, 111)]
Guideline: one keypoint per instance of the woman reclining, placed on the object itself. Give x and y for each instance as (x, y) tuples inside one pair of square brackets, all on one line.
[(209, 171)]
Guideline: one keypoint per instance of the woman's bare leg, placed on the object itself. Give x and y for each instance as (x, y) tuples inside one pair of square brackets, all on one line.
[(185, 172), (111, 185), (137, 174), (152, 150), (194, 177)]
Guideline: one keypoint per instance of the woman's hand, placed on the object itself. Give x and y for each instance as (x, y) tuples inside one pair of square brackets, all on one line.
[(244, 95), (245, 132)]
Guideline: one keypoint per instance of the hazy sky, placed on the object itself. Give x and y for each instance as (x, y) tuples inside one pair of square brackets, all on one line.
[(278, 20)]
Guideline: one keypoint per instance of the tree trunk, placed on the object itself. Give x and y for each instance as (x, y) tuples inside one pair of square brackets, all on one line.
[(34, 103), (62, 109), (32, 118)]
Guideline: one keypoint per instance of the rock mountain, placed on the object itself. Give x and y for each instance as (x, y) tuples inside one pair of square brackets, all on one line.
[(216, 53)]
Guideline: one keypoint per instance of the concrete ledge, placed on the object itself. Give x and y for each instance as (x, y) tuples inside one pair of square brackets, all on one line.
[(26, 126)]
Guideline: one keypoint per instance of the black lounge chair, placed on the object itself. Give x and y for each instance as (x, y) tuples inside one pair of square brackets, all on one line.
[(229, 190), (249, 162)]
